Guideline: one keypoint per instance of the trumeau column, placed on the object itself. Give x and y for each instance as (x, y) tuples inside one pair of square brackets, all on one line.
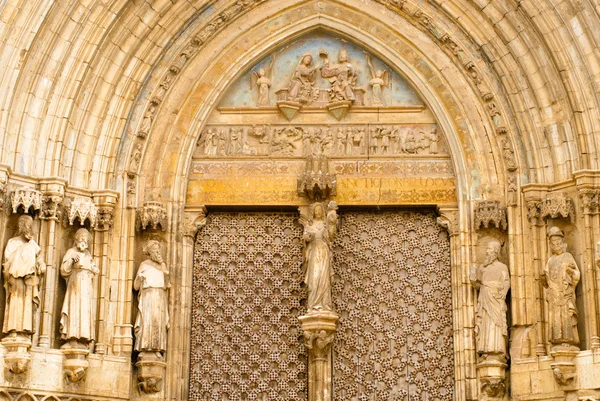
[(320, 221)]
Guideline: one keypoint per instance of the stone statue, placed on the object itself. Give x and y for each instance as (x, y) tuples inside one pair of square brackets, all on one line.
[(492, 279), (560, 277), (341, 76), (379, 80), (78, 317), (262, 79), (152, 321), (319, 230), (301, 87), (23, 267)]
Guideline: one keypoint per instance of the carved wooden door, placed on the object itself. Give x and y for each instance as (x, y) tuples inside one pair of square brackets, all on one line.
[(246, 338), (392, 290)]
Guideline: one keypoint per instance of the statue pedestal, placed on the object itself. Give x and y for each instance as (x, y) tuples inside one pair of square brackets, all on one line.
[(17, 359), (288, 108), (339, 109), (492, 376), (319, 330), (75, 364), (563, 366), (151, 370)]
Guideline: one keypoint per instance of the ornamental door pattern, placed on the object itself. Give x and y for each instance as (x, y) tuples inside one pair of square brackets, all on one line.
[(247, 297), (392, 290)]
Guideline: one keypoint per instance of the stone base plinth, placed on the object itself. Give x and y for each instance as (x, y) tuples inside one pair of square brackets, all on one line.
[(17, 359), (151, 371), (563, 365)]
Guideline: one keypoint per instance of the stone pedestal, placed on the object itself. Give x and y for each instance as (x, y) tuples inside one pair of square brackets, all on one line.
[(319, 330), (17, 358), (75, 364), (563, 366), (492, 376), (339, 109), (151, 369)]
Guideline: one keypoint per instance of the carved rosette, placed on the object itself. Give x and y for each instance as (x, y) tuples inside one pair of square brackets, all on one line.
[(490, 213), (27, 198), (152, 215), (81, 208)]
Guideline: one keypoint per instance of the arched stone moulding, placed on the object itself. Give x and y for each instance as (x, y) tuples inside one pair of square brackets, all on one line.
[(182, 114)]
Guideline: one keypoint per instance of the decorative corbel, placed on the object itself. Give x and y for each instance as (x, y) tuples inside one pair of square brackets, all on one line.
[(590, 200), (28, 198), (152, 215), (490, 212)]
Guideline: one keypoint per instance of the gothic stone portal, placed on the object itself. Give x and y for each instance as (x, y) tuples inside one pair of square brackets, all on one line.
[(391, 289)]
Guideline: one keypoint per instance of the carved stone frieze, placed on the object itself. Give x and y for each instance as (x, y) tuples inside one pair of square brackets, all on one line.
[(151, 216), (490, 213), (331, 140), (81, 208), (27, 198), (18, 394)]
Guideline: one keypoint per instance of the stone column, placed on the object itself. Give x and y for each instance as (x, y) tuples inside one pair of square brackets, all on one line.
[(106, 201), (465, 357), (319, 331), (53, 191), (589, 199), (192, 222)]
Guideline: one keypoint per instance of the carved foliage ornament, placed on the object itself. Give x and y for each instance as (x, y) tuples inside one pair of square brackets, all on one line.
[(490, 213), (28, 198), (590, 199), (152, 215)]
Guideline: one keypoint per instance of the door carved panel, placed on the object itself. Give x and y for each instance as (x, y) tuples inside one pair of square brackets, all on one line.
[(393, 292), (247, 297)]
